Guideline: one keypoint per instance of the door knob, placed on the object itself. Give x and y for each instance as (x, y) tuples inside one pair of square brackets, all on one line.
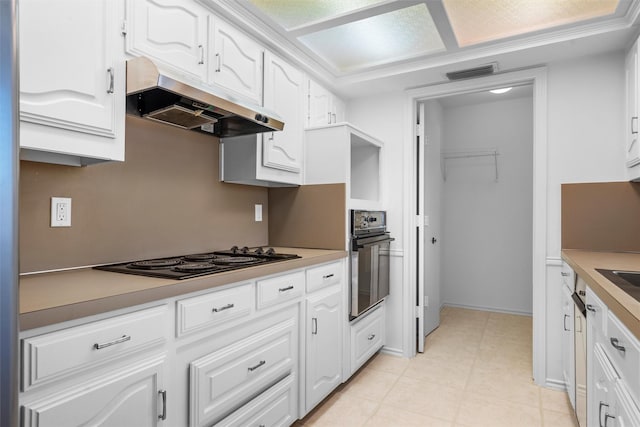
[(433, 240)]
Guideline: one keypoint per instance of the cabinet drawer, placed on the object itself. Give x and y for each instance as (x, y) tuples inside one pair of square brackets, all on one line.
[(217, 307), (57, 354), (624, 351), (279, 289), (568, 276), (367, 336), (275, 407), (596, 313), (627, 414), (222, 381), (323, 276)]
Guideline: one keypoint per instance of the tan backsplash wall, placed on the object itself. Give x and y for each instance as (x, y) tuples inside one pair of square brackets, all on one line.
[(311, 216), (165, 199), (601, 216)]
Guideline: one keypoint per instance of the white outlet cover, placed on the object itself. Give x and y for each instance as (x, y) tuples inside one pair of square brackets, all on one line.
[(258, 210), (60, 212)]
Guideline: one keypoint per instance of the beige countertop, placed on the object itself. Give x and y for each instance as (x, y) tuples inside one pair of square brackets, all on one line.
[(48, 298), (624, 306)]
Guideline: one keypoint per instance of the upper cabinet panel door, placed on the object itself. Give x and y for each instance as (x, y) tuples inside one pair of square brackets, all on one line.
[(320, 105), (236, 61), (284, 94), (171, 31), (632, 126), (68, 70)]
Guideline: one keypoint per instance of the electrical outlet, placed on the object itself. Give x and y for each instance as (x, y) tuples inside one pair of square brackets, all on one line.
[(61, 212), (258, 210)]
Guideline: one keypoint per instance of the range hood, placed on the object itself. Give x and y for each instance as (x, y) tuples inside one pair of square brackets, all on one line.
[(159, 97)]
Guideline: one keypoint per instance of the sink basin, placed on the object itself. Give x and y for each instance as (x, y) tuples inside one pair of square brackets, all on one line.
[(628, 281)]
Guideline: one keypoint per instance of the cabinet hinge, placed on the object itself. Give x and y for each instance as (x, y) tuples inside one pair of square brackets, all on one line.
[(124, 28), (418, 129), (417, 314)]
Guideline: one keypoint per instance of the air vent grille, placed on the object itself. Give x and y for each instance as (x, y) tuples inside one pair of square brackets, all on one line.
[(483, 70)]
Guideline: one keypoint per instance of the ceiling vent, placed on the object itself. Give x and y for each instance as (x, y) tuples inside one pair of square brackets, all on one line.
[(469, 73)]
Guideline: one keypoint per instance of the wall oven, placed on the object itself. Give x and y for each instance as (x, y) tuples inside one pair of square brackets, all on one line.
[(368, 260)]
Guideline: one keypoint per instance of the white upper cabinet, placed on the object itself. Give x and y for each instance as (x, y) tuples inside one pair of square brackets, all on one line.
[(284, 94), (171, 31), (324, 108), (632, 145), (236, 60), (72, 75)]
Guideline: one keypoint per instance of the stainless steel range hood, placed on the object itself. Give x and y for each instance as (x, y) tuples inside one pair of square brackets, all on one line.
[(159, 97)]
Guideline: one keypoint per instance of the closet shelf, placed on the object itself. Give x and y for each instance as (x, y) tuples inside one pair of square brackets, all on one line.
[(448, 155)]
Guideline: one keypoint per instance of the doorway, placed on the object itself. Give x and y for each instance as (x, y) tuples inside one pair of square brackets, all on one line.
[(477, 203), (537, 79)]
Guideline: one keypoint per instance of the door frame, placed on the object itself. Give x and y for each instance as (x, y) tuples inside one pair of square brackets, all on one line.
[(538, 78)]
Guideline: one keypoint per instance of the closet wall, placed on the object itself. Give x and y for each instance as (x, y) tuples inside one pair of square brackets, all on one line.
[(487, 231)]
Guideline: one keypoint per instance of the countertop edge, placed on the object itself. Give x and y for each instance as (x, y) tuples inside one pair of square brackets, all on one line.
[(169, 289), (625, 307)]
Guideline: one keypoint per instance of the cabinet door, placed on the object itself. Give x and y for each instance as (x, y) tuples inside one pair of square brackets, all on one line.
[(320, 103), (68, 69), (601, 380), (284, 94), (236, 63), (125, 398), (568, 369), (324, 349), (339, 109), (631, 131), (171, 31)]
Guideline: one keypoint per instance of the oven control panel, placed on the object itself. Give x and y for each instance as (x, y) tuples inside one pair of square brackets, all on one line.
[(368, 222)]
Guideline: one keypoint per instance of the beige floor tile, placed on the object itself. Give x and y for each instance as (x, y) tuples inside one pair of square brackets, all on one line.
[(424, 397), (555, 400), (390, 416), (483, 412), (558, 419), (371, 384), (387, 363), (500, 383), (342, 410), (440, 370)]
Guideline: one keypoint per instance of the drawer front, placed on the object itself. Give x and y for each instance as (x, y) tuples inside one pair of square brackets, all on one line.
[(54, 355), (280, 289), (596, 313), (568, 276), (323, 276), (367, 337), (624, 351), (222, 381), (212, 309), (626, 411), (275, 407)]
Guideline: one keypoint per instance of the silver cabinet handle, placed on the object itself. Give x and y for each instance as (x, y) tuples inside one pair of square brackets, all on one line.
[(314, 326), (370, 337), (163, 395), (218, 63), (111, 87), (224, 307), (606, 419), (591, 308), (564, 274), (328, 276), (328, 118), (334, 117), (288, 288), (633, 132), (614, 343), (120, 340), (201, 54), (565, 322), (253, 368), (602, 404)]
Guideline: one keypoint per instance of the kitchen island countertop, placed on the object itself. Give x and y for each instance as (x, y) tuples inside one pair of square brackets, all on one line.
[(584, 263), (53, 297)]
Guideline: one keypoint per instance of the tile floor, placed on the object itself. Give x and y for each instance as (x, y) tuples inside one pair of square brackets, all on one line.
[(475, 372)]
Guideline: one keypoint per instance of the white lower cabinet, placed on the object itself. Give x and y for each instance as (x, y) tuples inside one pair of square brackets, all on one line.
[(131, 397), (324, 344), (568, 349), (367, 336)]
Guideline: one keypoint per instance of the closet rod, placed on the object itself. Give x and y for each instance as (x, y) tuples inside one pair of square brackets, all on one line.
[(468, 154)]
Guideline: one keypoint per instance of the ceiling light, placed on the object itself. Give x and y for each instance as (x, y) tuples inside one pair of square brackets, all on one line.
[(501, 90)]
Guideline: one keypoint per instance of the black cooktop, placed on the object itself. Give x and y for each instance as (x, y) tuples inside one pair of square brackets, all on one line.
[(201, 264)]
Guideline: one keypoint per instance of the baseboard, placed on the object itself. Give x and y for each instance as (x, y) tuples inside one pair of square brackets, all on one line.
[(554, 384), (492, 309), (392, 351)]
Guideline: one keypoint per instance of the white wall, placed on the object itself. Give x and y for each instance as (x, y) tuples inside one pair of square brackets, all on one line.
[(487, 241), (585, 140)]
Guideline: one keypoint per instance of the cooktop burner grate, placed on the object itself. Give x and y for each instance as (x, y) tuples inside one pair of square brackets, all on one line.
[(155, 264), (200, 257)]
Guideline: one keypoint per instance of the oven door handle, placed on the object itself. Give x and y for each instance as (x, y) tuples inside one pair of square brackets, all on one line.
[(369, 244), (579, 304)]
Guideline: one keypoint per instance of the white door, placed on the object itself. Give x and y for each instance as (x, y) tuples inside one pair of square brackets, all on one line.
[(67, 65), (236, 61), (632, 126), (320, 103), (172, 31), (283, 94)]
